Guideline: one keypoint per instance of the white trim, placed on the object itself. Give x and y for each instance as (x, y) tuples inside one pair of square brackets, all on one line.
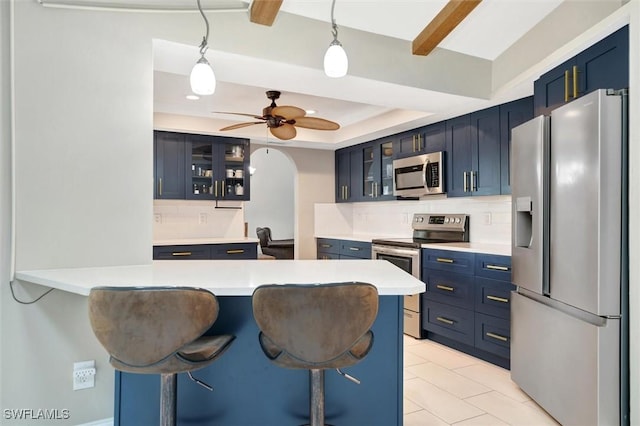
[(103, 422)]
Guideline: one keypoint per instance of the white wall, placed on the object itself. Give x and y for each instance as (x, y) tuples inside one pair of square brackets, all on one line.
[(489, 217), (272, 194)]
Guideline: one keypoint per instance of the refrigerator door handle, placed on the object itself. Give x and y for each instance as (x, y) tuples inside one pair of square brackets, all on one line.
[(524, 222)]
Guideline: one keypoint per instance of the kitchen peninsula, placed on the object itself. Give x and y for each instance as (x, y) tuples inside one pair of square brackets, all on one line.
[(248, 388)]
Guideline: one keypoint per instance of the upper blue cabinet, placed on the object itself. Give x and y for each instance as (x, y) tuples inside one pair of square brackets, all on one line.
[(426, 139), (200, 167), (512, 114), (605, 65)]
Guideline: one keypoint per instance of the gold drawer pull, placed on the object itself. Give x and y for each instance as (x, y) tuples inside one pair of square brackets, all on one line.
[(237, 251), (497, 337), (181, 253), (498, 299), (445, 320), (354, 248), (325, 245), (566, 85), (498, 268), (444, 287), (444, 260)]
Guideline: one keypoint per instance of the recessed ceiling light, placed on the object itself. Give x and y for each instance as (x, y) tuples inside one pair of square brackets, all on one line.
[(310, 111), (193, 97)]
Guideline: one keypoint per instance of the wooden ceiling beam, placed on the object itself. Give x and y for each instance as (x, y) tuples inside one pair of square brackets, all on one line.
[(449, 17), (264, 12)]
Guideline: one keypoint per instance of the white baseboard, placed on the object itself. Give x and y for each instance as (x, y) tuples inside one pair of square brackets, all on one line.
[(103, 422)]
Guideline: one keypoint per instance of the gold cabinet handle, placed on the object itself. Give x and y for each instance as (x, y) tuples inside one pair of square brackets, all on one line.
[(354, 248), (235, 251), (222, 188), (444, 260), (444, 287), (215, 189), (497, 337), (464, 182), (566, 86), (498, 299), (498, 268), (419, 142), (181, 253), (413, 141), (445, 320), (474, 186), (575, 81), (159, 186), (325, 245)]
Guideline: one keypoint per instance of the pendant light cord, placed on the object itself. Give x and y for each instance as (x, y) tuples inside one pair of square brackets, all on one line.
[(334, 27), (205, 40)]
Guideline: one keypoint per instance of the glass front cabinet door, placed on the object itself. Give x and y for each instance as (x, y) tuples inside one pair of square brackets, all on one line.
[(378, 171)]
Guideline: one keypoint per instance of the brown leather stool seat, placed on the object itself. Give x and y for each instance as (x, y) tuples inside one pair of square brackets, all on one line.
[(157, 330), (316, 327)]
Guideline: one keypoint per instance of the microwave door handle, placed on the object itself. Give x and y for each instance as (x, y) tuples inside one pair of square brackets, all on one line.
[(426, 174)]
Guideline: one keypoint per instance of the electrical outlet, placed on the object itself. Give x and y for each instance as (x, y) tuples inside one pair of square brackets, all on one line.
[(157, 217), (487, 218), (84, 374), (203, 218)]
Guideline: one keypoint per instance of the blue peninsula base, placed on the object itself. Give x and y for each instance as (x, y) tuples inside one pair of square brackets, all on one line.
[(249, 390)]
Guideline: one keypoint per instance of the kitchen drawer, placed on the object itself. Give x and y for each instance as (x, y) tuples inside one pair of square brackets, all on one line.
[(493, 297), (327, 245), (448, 260), (325, 256), (493, 335), (448, 321), (359, 249), (234, 251), (181, 252), (493, 266), (449, 287)]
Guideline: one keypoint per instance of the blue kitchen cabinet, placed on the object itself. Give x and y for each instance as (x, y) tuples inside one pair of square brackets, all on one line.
[(512, 114), (602, 66), (377, 171), (467, 302), (349, 174), (189, 166), (459, 155), (169, 165), (473, 154), (423, 140), (217, 168), (329, 248), (206, 251)]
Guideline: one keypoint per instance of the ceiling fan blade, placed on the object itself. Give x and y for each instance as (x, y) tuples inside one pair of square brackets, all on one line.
[(288, 112), (284, 131), (316, 123), (239, 113), (240, 125)]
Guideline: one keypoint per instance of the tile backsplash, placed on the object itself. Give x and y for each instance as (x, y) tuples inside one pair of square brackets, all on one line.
[(489, 217), (174, 219)]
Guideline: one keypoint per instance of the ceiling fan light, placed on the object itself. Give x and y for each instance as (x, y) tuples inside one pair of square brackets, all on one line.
[(203, 80), (336, 62)]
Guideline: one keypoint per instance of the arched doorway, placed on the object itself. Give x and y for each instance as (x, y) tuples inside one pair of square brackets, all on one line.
[(272, 194)]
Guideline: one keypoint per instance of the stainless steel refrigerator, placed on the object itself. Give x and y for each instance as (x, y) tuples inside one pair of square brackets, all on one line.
[(569, 319)]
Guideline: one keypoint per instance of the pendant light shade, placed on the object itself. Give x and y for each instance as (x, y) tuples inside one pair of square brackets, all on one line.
[(336, 62), (203, 80)]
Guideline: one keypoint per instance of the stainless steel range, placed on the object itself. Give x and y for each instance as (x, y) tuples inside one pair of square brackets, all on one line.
[(405, 254)]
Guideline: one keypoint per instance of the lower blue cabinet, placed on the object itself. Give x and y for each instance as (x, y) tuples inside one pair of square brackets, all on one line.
[(206, 251)]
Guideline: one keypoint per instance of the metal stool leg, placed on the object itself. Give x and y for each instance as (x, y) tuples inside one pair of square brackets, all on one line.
[(317, 397), (168, 389)]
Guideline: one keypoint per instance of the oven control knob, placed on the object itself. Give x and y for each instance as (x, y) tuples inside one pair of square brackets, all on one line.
[(419, 219), (446, 220), (457, 220)]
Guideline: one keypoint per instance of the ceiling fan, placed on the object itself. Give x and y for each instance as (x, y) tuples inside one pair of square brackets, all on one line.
[(283, 120)]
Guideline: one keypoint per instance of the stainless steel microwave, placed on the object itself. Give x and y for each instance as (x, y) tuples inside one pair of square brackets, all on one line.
[(419, 175)]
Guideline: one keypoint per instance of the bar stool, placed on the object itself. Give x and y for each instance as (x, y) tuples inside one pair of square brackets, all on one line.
[(157, 330), (316, 327)]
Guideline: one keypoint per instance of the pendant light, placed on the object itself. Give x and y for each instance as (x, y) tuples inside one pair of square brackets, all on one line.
[(203, 80), (336, 62)]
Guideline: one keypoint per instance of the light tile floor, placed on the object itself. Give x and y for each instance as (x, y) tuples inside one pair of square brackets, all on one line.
[(445, 387)]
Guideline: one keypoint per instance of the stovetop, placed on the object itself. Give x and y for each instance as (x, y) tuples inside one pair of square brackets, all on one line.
[(432, 228)]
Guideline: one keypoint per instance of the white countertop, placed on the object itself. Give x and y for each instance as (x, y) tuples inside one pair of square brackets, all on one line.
[(211, 240), (229, 277), (488, 248)]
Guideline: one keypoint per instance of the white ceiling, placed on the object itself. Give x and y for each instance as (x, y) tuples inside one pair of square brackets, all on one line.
[(365, 107)]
